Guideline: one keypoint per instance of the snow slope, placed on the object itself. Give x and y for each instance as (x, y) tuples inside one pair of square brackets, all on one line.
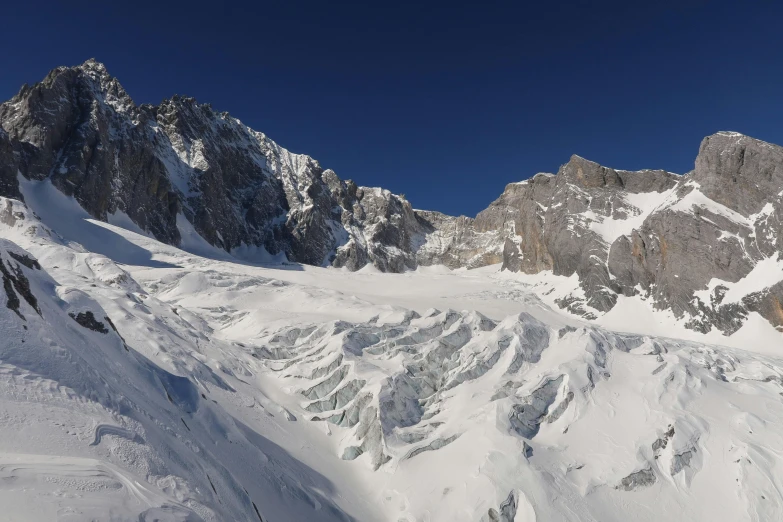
[(144, 382)]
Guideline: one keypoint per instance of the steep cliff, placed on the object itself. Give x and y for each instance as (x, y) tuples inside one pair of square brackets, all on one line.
[(705, 245)]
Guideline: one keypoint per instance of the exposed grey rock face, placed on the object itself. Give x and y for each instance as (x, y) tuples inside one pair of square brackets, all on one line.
[(79, 128), (9, 166), (552, 220), (724, 219), (637, 480), (238, 189), (457, 242), (680, 461), (661, 442), (87, 320), (683, 242)]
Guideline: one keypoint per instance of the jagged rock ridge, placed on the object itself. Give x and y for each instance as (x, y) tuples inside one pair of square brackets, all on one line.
[(238, 189), (701, 245), (705, 245)]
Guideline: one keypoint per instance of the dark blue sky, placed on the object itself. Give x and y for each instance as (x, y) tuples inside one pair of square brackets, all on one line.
[(445, 102)]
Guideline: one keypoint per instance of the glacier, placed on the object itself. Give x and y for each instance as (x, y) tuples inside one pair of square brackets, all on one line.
[(145, 382)]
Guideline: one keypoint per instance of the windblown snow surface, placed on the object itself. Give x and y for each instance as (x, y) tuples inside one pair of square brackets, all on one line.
[(142, 382)]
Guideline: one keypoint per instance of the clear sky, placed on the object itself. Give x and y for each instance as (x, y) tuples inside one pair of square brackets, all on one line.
[(443, 101)]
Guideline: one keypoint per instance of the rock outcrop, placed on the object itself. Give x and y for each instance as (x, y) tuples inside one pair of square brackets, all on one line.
[(695, 254), (566, 222), (706, 245)]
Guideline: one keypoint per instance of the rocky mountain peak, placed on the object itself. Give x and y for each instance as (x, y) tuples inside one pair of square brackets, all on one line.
[(738, 171), (181, 169), (93, 66), (591, 175), (92, 80), (588, 174), (107, 86)]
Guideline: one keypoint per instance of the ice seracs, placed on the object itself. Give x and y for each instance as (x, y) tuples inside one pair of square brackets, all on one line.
[(193, 388)]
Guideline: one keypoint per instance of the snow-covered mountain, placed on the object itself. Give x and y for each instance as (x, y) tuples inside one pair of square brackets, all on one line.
[(201, 325), (702, 245), (706, 245), (181, 166)]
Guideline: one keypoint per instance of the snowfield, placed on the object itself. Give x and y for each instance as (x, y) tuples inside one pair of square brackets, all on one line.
[(143, 382)]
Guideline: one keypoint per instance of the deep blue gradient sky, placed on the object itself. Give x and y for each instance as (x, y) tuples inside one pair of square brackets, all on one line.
[(445, 102)]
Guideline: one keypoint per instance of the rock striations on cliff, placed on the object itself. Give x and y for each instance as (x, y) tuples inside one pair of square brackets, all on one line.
[(183, 160), (705, 245)]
